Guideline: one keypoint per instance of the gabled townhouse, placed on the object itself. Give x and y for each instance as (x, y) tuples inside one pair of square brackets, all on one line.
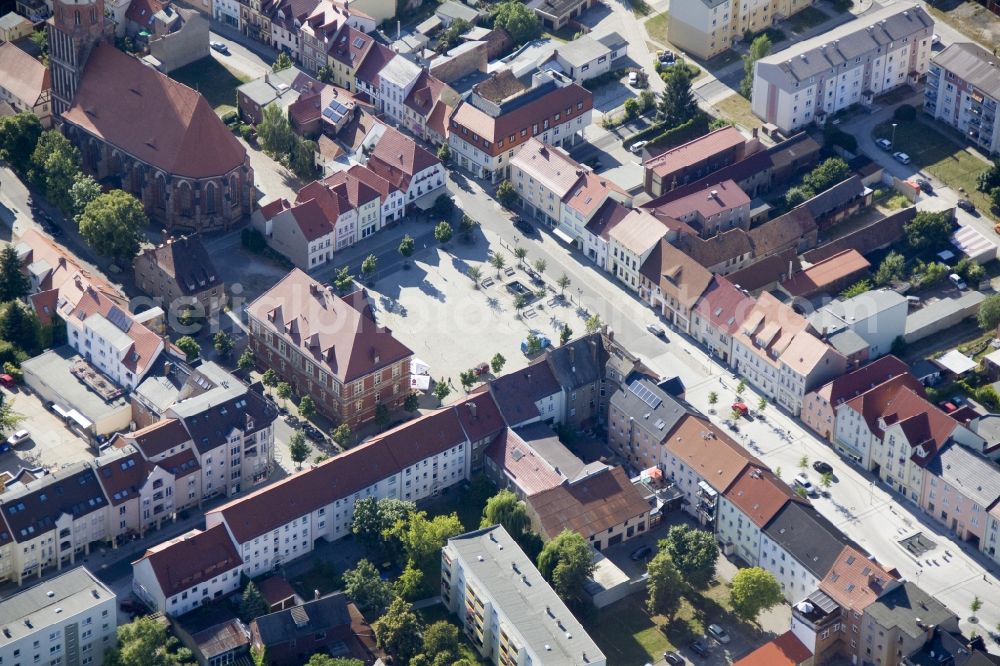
[(287, 17), (329, 347), (958, 490), (632, 241), (529, 395), (746, 507), (671, 283), (711, 210), (396, 80), (393, 199), (695, 159), (345, 52), (179, 272), (428, 106), (366, 75), (799, 546), (27, 83), (819, 408), (717, 316), (181, 574), (596, 234), (577, 367), (409, 167), (525, 461), (856, 419), (140, 494), (641, 417), (775, 351), (318, 36), (591, 207), (989, 545), (542, 177), (501, 113), (901, 622)]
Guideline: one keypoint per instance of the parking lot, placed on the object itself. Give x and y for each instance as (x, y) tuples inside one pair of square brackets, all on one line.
[(52, 443)]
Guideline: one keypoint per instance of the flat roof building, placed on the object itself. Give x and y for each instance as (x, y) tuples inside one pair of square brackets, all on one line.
[(963, 90)]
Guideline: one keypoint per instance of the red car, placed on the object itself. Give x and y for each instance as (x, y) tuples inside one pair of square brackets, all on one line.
[(7, 380), (741, 408)]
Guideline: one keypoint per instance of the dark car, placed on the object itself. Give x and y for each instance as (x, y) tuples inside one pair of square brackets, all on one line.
[(925, 185), (524, 227), (674, 659), (220, 47), (641, 553), (822, 467), (966, 205), (699, 647)]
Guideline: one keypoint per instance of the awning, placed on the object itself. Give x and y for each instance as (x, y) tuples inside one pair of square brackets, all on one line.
[(427, 201), (418, 367), (60, 410), (80, 419), (563, 236)]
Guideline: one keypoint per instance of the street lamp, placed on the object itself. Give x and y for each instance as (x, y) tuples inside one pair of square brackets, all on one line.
[(894, 136)]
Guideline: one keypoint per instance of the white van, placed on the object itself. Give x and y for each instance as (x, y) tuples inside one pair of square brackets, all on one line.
[(957, 280)]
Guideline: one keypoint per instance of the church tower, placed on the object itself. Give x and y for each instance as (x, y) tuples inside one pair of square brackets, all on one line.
[(75, 27)]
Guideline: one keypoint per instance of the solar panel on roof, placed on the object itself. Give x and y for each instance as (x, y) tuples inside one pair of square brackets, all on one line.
[(644, 394), (120, 319)]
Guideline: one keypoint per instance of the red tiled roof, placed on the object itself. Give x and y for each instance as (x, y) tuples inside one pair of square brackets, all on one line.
[(874, 402), (696, 150), (723, 305), (825, 273), (529, 471), (479, 415), (377, 57), (424, 94), (141, 12), (715, 458), (24, 77), (676, 274), (437, 121), (350, 47), (339, 333), (276, 589), (396, 151), (357, 191), (192, 558), (272, 208), (854, 580), (590, 192), (149, 115), (865, 378), (312, 220), (922, 422), (146, 344), (760, 495), (590, 506), (785, 650), (707, 202), (180, 464), (607, 218), (373, 180), (122, 477), (156, 439)]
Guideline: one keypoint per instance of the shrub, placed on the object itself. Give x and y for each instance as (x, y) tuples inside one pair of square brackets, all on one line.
[(835, 136), (246, 132), (905, 113)]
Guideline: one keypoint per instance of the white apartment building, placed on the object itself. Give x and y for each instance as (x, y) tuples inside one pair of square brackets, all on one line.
[(852, 64), (227, 12), (70, 620), (631, 242), (963, 90), (799, 546), (396, 80), (745, 509), (407, 166), (706, 28), (543, 176), (877, 316), (505, 606), (181, 574)]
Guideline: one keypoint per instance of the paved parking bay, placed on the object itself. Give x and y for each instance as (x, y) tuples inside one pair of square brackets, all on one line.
[(52, 443)]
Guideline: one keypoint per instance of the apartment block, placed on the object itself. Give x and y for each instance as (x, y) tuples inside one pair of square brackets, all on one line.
[(706, 28), (746, 508), (70, 620), (963, 91), (506, 608), (852, 64)]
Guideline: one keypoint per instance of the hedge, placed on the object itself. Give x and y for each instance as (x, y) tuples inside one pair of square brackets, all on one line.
[(675, 136)]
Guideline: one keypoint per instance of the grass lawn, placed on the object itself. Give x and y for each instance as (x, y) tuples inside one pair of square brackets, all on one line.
[(807, 18), (737, 108), (970, 18), (563, 34), (214, 80), (657, 28), (939, 155), (322, 577)]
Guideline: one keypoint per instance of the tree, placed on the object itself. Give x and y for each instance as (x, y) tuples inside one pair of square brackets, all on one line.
[(307, 407), (694, 552), (466, 225), (13, 283), (497, 261), (892, 268), (566, 562), (284, 391), (19, 326), (9, 419), (145, 642), (55, 163), (664, 585), (565, 334), (369, 266), (759, 48), (412, 402), (928, 230), (302, 158), (423, 537), (441, 640), (497, 363), (19, 135), (406, 246), (796, 196), (986, 182), (563, 282), (754, 590), (593, 323), (189, 346), (452, 35), (507, 510), (398, 632), (365, 587), (441, 390), (252, 603), (381, 415), (520, 253), (298, 449), (631, 108), (826, 479), (540, 265), (713, 398), (518, 20), (343, 280), (475, 274), (321, 659), (275, 132), (84, 190), (442, 232), (366, 522), (325, 74), (410, 584), (520, 300), (677, 105), (467, 378), (223, 343), (112, 225), (762, 404), (269, 379), (741, 387), (342, 434), (976, 605), (856, 289), (989, 313), (444, 153), (533, 342), (826, 174), (803, 462), (283, 61), (506, 194)]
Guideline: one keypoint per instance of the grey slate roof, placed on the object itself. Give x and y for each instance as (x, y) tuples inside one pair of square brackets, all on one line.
[(670, 410), (974, 64), (540, 437), (904, 604), (974, 476), (577, 363), (320, 615), (844, 44), (491, 559), (72, 592), (838, 195), (32, 510), (808, 537)]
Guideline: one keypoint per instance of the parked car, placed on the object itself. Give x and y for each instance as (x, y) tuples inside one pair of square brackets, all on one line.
[(7, 381), (673, 658), (19, 437), (925, 185), (957, 280), (699, 647), (656, 330), (966, 205), (884, 144), (220, 47), (802, 481), (935, 40), (741, 408), (901, 157), (822, 467), (543, 343), (638, 146), (633, 78), (641, 553), (525, 227), (718, 633)]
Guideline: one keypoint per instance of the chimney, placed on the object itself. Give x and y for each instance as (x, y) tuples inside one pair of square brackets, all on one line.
[(572, 358), (168, 367), (315, 594), (472, 409)]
